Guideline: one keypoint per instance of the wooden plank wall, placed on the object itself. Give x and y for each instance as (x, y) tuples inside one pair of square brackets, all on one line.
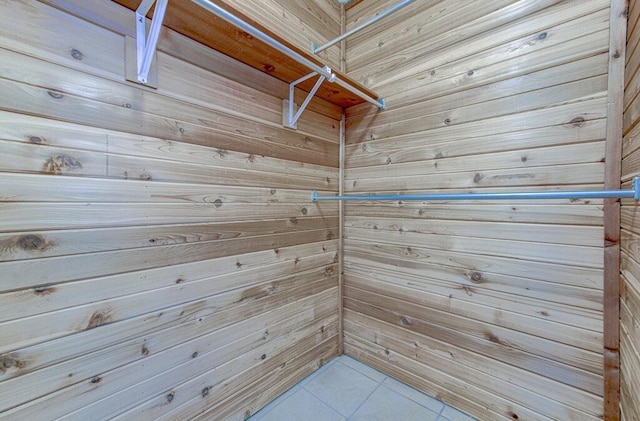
[(630, 235), (493, 307), (159, 254)]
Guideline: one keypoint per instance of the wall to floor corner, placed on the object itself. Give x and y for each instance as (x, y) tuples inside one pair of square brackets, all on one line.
[(630, 235), (494, 307), (160, 257)]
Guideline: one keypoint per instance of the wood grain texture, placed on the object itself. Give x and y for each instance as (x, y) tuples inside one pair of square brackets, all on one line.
[(485, 96), (615, 107), (112, 244), (629, 284), (275, 20)]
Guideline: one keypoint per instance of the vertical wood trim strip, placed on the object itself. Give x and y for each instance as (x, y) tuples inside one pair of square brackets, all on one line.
[(341, 237), (611, 300)]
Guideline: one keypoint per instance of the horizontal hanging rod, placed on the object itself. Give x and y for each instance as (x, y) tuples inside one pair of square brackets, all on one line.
[(352, 31), (234, 20), (588, 194), (321, 70), (380, 103)]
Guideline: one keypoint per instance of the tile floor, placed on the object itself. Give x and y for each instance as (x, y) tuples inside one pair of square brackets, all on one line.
[(346, 389)]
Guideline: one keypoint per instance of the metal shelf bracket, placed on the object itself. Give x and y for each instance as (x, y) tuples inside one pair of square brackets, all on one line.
[(289, 116), (146, 45)]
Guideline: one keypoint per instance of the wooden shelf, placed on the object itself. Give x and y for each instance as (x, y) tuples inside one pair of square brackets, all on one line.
[(189, 19)]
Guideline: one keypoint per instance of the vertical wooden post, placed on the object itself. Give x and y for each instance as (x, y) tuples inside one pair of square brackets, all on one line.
[(617, 44)]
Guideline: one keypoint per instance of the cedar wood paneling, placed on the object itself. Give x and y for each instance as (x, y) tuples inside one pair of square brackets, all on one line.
[(630, 233), (159, 253), (493, 307)]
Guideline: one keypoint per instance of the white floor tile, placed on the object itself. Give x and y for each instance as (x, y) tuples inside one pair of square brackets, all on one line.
[(415, 395), (277, 401), (363, 368), (387, 405), (300, 406), (452, 414), (311, 376), (342, 387)]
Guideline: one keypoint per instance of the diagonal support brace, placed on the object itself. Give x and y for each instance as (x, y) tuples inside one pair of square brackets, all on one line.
[(146, 46), (291, 117)]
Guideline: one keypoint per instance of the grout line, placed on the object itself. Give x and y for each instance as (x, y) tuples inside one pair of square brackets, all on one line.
[(413, 400), (355, 411), (444, 405), (365, 374)]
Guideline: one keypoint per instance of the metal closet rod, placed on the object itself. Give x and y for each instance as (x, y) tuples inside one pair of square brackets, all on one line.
[(352, 31), (324, 71), (634, 194)]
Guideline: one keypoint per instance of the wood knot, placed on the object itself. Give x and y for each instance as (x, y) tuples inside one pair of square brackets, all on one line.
[(61, 163), (217, 203), (470, 73), (447, 121), (293, 220), (55, 95), (144, 351), (513, 415), (542, 35), (8, 362), (76, 54), (476, 276), (170, 396), (493, 338), (31, 242), (98, 319), (577, 122), (36, 139), (268, 68), (245, 35), (44, 290), (96, 379), (304, 211), (478, 178), (263, 357), (205, 392), (405, 321), (195, 354)]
